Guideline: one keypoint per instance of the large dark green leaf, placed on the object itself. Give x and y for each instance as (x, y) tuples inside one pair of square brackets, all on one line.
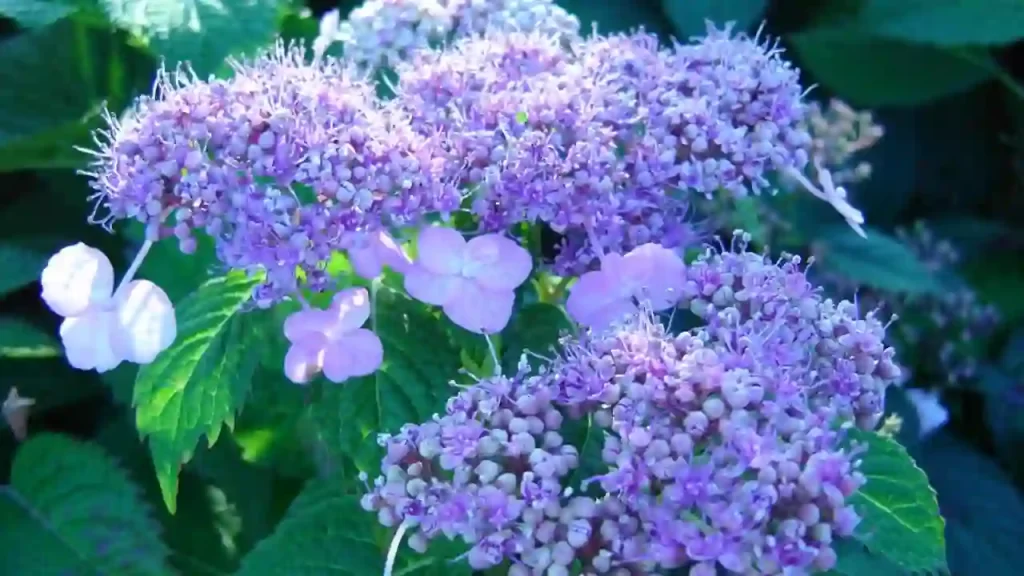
[(21, 266), (945, 22), (201, 32), (870, 71), (981, 506), (619, 15), (21, 339), (879, 261), (325, 532), (71, 509), (195, 387), (689, 17), (900, 515), (535, 328)]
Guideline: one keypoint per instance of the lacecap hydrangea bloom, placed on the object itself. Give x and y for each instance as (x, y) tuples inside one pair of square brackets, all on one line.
[(604, 142), (283, 164), (722, 449), (380, 33)]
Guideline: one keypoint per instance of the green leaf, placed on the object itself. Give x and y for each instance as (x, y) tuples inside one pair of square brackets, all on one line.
[(36, 13), (855, 560), (412, 384), (21, 339), (689, 16), (21, 266), (537, 328), (196, 386), (71, 509), (900, 515), (325, 532), (981, 505), (869, 71), (879, 261), (945, 22), (201, 32)]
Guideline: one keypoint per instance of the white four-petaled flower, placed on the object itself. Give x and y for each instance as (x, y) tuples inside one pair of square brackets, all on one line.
[(101, 327)]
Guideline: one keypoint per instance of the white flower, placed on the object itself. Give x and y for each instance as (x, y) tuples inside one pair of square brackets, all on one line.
[(931, 414), (101, 327)]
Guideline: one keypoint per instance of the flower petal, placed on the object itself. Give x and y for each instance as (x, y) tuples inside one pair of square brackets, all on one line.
[(76, 278), (146, 324), (304, 359), (436, 289), (365, 262), (87, 341), (480, 310), (497, 262), (358, 353), (391, 253), (656, 274), (441, 250), (302, 324), (595, 300), (349, 310)]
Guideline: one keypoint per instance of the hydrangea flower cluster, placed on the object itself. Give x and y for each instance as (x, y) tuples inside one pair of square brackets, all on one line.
[(723, 448), (605, 142), (380, 33), (944, 333), (283, 164)]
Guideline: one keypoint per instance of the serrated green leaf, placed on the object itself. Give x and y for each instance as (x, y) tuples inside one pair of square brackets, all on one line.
[(411, 385), (878, 261), (899, 513), (689, 17), (537, 328), (324, 532), (945, 22), (869, 71), (71, 507), (201, 32), (21, 339), (855, 560), (195, 387)]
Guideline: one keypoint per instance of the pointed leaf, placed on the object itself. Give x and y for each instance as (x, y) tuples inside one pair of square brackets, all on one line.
[(70, 509), (201, 32), (868, 71), (196, 386), (411, 385), (879, 261), (899, 511), (945, 22)]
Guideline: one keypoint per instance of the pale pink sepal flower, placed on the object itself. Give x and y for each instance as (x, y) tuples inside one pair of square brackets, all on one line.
[(101, 327), (474, 282), (333, 341), (650, 273), (379, 251)]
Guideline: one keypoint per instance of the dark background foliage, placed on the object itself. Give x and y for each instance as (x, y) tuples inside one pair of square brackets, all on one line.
[(945, 79)]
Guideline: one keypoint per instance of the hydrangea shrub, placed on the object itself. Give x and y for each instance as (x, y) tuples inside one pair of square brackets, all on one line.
[(482, 276)]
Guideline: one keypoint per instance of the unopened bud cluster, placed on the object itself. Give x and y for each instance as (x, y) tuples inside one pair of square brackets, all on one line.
[(722, 449), (941, 336)]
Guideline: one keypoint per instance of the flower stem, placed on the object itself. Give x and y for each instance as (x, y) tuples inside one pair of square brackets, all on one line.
[(136, 263), (389, 565), (494, 355)]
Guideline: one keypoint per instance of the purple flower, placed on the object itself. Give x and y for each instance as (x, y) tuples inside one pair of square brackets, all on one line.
[(473, 281)]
